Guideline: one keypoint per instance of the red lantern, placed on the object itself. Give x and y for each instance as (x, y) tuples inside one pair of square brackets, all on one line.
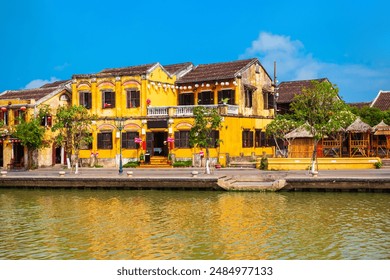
[(23, 108), (3, 109)]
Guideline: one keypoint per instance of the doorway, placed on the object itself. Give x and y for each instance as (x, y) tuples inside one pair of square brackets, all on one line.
[(156, 143), (18, 153)]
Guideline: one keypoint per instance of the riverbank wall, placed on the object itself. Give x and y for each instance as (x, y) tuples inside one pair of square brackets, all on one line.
[(237, 181)]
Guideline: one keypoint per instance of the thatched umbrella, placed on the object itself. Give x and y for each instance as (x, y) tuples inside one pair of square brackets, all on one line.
[(299, 132), (300, 142), (381, 129), (358, 126), (381, 139), (359, 138)]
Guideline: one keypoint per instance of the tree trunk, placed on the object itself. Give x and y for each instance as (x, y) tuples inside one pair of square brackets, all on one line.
[(314, 158), (29, 158), (207, 161)]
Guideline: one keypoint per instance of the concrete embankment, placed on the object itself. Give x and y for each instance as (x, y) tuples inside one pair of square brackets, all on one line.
[(366, 184), (166, 183), (223, 180)]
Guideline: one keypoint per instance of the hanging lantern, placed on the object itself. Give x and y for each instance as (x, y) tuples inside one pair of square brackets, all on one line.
[(23, 108), (3, 109)]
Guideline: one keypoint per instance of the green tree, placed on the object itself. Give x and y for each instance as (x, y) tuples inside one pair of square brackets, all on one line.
[(73, 124), (201, 135), (31, 135), (280, 126), (318, 106), (370, 115)]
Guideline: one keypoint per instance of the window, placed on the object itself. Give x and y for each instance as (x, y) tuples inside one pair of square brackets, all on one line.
[(248, 97), (247, 139), (108, 99), (46, 121), (270, 99), (263, 140), (128, 140), (205, 98), (133, 98), (226, 94), (258, 135), (105, 140), (182, 139), (214, 139), (186, 98), (19, 115), (4, 117), (84, 145), (85, 99)]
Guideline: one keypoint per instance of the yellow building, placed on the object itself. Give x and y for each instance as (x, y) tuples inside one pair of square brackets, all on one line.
[(26, 103), (153, 103)]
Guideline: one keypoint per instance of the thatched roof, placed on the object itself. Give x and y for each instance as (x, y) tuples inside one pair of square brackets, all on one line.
[(300, 132), (381, 129), (358, 126)]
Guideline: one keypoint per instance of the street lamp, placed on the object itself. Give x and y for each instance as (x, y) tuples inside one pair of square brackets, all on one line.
[(119, 125)]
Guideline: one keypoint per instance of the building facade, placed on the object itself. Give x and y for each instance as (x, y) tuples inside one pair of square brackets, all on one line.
[(147, 110), (25, 104)]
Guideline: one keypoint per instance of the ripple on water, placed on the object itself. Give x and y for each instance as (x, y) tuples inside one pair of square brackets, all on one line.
[(192, 225)]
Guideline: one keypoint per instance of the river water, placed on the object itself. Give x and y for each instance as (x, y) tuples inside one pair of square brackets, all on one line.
[(192, 225)]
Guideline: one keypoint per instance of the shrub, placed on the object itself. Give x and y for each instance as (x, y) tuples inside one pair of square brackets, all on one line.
[(183, 163), (131, 164)]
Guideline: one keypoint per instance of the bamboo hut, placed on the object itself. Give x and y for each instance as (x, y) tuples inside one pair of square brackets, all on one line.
[(332, 147), (381, 139), (359, 138), (300, 142)]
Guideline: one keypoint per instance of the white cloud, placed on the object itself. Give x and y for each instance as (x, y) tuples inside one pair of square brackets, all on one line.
[(356, 82), (38, 83)]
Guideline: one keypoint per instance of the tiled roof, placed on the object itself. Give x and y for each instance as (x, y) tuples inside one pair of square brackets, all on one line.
[(382, 101), (215, 71), (287, 90), (175, 68), (55, 84), (35, 93), (129, 71)]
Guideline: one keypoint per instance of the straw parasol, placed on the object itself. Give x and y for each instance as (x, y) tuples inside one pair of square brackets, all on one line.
[(358, 126), (300, 132), (381, 129)]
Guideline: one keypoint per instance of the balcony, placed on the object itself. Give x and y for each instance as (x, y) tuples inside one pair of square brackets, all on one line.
[(187, 110)]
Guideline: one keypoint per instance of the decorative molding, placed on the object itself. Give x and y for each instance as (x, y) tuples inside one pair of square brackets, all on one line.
[(106, 127), (183, 125), (106, 83)]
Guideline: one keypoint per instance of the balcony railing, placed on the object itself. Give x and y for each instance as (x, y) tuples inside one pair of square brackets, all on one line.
[(157, 111), (188, 110)]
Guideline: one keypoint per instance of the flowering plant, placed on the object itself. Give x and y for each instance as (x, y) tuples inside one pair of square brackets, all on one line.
[(148, 101)]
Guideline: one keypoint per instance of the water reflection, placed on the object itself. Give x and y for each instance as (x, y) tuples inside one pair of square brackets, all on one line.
[(64, 224)]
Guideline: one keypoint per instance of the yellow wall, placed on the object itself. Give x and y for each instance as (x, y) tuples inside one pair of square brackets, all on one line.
[(45, 155), (323, 163), (159, 87)]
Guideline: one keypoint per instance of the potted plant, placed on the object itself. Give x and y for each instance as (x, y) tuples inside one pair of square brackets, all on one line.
[(141, 157), (225, 100), (169, 161)]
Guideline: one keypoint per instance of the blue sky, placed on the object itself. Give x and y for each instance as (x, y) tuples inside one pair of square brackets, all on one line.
[(347, 42)]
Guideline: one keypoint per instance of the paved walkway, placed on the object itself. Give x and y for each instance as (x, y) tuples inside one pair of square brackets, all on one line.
[(186, 172)]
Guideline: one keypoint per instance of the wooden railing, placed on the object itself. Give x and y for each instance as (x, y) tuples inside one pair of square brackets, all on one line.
[(359, 143)]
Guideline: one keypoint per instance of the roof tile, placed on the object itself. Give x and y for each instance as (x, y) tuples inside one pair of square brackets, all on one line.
[(382, 101), (287, 90), (215, 71)]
